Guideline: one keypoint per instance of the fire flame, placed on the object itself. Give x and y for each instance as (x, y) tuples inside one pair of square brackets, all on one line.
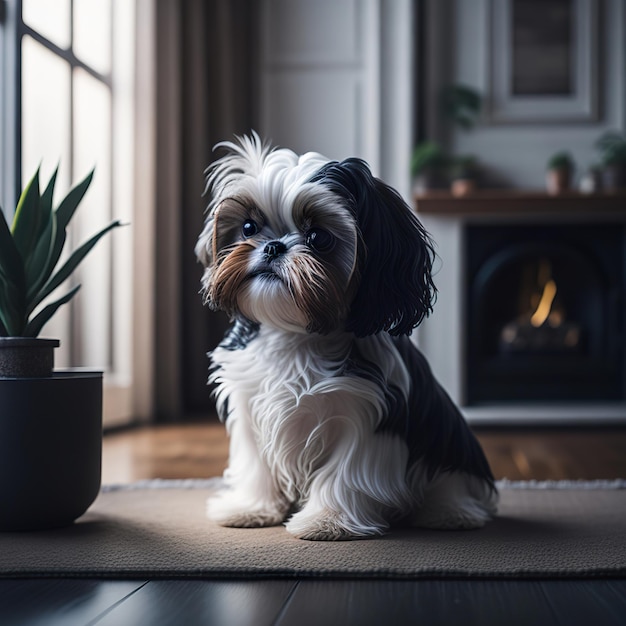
[(541, 325), (545, 304)]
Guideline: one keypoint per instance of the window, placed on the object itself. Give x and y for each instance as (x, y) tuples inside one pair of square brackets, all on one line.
[(68, 101)]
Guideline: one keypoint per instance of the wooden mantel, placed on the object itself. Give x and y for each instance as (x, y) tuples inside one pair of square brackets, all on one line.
[(506, 202)]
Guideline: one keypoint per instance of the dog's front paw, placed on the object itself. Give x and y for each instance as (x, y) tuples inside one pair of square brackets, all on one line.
[(327, 526), (235, 514)]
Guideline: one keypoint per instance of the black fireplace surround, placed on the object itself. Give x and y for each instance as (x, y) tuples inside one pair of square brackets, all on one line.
[(545, 313)]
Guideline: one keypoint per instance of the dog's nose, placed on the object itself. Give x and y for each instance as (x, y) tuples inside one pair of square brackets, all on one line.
[(274, 249)]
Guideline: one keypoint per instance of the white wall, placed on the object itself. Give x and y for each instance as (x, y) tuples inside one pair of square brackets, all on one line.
[(516, 154), (336, 78)]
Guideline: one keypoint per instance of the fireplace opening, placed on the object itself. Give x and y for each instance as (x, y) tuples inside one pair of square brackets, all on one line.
[(544, 312), (542, 325)]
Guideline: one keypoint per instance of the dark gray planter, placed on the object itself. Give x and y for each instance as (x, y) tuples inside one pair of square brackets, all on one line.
[(50, 448), (27, 356)]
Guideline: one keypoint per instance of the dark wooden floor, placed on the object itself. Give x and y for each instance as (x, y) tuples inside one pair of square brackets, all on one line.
[(312, 602), (199, 450)]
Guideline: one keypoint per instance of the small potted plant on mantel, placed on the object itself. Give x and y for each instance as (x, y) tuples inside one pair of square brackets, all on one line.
[(612, 148), (464, 175), (50, 422), (461, 105), (559, 173), (428, 163)]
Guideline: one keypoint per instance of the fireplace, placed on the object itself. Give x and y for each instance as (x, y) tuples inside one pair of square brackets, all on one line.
[(529, 326), (544, 313)]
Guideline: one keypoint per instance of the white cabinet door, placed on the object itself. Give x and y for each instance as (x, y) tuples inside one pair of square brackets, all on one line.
[(320, 74)]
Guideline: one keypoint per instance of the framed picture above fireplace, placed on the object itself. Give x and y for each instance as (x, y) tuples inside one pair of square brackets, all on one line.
[(542, 61)]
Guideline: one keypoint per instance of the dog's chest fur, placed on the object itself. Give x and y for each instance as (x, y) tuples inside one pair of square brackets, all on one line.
[(296, 392)]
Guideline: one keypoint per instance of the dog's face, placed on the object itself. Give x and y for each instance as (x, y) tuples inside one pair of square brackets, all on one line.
[(308, 245), (280, 252)]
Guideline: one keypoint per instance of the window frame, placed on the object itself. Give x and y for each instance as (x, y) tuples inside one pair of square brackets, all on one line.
[(128, 397), (10, 109)]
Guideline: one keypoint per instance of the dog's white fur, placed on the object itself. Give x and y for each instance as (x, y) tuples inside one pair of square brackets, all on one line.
[(311, 437)]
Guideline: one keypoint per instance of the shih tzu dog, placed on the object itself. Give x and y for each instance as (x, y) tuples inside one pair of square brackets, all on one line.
[(337, 426)]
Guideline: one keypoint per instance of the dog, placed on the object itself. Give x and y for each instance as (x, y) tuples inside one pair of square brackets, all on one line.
[(337, 426)]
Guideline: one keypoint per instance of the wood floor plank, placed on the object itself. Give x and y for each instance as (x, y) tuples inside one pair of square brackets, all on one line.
[(410, 602), (555, 453), (597, 602), (200, 450), (165, 451), (53, 602), (189, 602), (442, 602), (60, 602)]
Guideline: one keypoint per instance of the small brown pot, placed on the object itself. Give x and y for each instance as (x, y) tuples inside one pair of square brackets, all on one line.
[(463, 187), (558, 181)]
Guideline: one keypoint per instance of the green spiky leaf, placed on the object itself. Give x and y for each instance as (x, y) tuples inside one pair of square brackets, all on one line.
[(12, 281), (37, 270), (11, 264), (69, 266), (11, 315), (31, 250), (64, 213), (34, 326), (45, 202), (36, 263), (27, 218)]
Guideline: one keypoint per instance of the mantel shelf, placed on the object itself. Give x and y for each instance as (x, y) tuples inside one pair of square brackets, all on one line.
[(521, 202)]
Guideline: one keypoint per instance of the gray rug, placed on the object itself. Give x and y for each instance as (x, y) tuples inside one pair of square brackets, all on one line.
[(158, 529)]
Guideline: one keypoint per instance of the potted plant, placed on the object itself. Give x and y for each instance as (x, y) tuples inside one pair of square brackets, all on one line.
[(427, 165), (461, 104), (50, 422), (464, 175), (612, 148), (559, 173)]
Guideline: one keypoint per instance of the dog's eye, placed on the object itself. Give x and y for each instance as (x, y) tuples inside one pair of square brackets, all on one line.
[(250, 228), (319, 240)]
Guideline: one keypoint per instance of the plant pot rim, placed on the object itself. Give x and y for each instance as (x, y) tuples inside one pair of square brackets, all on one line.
[(76, 373), (30, 341)]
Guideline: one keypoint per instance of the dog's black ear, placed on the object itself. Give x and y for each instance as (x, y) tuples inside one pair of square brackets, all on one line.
[(396, 290)]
